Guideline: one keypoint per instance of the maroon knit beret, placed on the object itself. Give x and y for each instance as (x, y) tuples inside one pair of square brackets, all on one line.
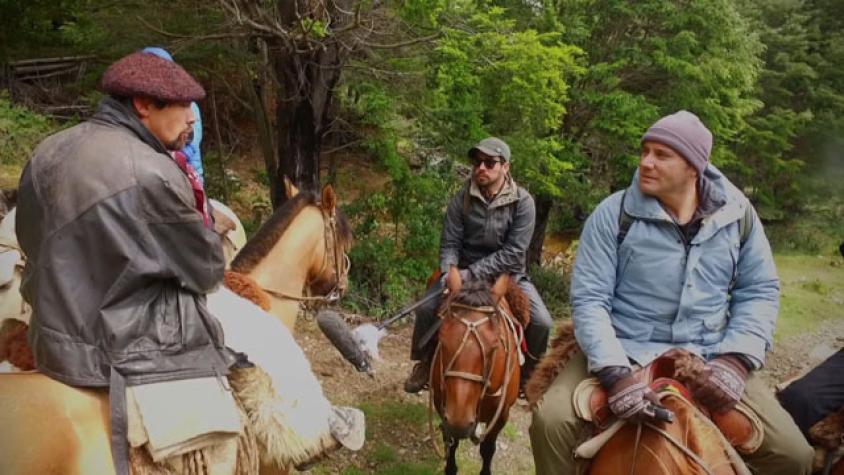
[(147, 75)]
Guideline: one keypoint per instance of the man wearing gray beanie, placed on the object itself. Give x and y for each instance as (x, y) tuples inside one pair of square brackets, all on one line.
[(677, 260)]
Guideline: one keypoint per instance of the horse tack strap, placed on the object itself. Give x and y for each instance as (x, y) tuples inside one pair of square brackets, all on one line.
[(732, 454), (482, 309), (465, 375), (119, 423), (331, 258), (518, 332)]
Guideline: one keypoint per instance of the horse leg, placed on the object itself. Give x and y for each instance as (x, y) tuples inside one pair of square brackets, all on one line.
[(488, 446), (487, 451), (451, 451)]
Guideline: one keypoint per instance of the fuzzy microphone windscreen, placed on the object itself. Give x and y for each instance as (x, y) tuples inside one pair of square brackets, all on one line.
[(338, 333)]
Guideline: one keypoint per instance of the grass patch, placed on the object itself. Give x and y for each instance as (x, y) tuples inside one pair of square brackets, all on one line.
[(812, 291), (394, 431), (509, 432), (396, 413), (384, 453)]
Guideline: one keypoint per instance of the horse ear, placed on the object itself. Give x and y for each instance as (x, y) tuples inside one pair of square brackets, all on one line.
[(290, 189), (500, 287), (453, 281), (329, 199)]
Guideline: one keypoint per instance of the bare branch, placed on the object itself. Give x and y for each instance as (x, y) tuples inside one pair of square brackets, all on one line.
[(215, 36), (341, 147), (401, 44)]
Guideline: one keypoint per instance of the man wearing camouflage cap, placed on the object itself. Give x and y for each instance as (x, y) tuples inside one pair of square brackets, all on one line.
[(119, 257), (487, 231)]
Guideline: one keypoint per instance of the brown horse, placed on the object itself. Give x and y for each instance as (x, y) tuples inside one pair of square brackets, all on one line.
[(692, 444), (696, 442), (49, 427), (475, 371)]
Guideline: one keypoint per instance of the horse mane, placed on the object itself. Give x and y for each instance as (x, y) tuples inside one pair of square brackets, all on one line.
[(474, 293), (562, 348), (519, 303), (14, 346), (257, 248)]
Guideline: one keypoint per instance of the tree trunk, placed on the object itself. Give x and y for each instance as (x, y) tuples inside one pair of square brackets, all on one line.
[(258, 95), (543, 210), (307, 80)]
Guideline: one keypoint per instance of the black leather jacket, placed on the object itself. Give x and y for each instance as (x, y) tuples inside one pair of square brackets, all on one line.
[(119, 260)]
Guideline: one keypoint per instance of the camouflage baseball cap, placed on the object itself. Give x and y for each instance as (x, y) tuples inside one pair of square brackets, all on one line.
[(492, 146)]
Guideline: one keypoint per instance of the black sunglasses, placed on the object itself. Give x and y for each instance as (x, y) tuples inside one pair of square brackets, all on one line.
[(489, 163)]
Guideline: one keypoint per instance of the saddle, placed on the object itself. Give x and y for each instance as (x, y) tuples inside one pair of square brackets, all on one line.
[(672, 371)]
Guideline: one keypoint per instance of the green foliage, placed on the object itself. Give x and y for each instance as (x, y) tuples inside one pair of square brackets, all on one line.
[(554, 286), (397, 229), (646, 59), (397, 234), (20, 132), (425, 13), (811, 292), (47, 23), (490, 78), (818, 227)]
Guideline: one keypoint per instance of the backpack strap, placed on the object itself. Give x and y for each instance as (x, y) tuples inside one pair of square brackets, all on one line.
[(624, 221), (745, 224)]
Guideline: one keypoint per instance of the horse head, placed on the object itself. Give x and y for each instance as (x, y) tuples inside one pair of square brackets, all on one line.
[(475, 370), (299, 254), (329, 273)]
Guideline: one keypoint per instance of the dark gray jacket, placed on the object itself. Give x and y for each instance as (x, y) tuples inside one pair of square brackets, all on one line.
[(119, 259), (488, 238)]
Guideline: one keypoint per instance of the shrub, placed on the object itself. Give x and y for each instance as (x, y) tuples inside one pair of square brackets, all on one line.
[(20, 131)]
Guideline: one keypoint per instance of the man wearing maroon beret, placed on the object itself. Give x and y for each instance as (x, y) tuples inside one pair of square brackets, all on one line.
[(119, 258)]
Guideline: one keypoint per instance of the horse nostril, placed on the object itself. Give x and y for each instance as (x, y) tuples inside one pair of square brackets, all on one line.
[(459, 432)]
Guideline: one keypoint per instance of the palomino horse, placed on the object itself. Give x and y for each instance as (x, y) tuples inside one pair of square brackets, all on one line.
[(49, 427), (302, 246), (475, 371)]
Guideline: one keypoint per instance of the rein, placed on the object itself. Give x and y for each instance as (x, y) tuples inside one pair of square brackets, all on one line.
[(332, 257), (492, 313)]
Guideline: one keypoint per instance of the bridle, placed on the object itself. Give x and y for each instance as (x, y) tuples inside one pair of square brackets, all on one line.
[(495, 316), (334, 257)]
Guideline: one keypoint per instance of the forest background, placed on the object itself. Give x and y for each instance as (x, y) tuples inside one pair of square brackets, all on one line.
[(383, 98)]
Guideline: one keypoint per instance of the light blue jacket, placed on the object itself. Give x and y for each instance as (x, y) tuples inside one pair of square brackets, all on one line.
[(650, 294), (192, 150)]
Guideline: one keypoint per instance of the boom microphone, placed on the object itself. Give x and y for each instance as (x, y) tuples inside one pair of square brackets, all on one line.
[(341, 336)]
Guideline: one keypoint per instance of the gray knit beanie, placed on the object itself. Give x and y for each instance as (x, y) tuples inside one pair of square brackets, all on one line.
[(685, 133)]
